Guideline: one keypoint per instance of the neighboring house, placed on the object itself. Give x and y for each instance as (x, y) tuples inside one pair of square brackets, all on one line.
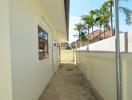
[(28, 56), (94, 37)]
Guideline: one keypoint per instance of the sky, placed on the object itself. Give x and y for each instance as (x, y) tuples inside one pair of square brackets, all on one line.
[(82, 7)]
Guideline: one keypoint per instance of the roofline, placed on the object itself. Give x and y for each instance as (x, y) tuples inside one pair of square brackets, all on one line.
[(67, 11)]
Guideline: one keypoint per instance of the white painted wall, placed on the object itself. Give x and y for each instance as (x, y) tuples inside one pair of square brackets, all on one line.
[(56, 56), (127, 76), (5, 64), (109, 44), (130, 41), (67, 56), (100, 70), (30, 76)]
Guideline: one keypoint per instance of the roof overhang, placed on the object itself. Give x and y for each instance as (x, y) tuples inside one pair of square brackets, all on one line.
[(67, 11), (58, 14)]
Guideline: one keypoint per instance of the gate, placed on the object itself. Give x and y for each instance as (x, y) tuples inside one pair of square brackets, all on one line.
[(67, 56)]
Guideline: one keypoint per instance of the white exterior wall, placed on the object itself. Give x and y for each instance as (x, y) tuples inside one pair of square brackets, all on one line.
[(30, 76), (127, 76), (5, 64), (130, 41), (100, 70), (67, 56), (109, 44), (56, 53)]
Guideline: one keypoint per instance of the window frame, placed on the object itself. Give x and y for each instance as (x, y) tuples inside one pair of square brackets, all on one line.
[(43, 45)]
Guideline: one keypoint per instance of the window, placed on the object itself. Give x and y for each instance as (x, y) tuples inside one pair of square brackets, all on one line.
[(42, 44)]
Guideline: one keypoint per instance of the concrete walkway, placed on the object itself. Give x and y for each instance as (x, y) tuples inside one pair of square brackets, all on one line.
[(69, 84)]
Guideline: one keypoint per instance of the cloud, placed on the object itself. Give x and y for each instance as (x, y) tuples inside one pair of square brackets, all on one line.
[(73, 20)]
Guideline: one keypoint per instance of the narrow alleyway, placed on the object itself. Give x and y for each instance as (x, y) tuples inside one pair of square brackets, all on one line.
[(69, 84)]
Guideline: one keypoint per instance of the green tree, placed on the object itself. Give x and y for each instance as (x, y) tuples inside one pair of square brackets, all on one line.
[(99, 19), (73, 46), (109, 6), (106, 16), (79, 28), (89, 21), (126, 11)]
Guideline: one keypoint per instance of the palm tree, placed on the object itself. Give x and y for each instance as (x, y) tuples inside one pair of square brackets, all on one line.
[(109, 5), (126, 11), (87, 24), (99, 20), (106, 26), (128, 14), (89, 21), (106, 16), (84, 39), (79, 27)]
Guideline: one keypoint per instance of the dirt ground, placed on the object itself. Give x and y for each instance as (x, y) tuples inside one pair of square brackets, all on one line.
[(69, 83)]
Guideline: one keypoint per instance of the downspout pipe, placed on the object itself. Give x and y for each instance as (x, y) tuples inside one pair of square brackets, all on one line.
[(118, 54)]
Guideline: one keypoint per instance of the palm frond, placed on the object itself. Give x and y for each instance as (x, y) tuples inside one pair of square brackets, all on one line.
[(128, 14)]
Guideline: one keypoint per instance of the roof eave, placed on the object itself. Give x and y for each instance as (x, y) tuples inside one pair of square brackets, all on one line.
[(67, 11)]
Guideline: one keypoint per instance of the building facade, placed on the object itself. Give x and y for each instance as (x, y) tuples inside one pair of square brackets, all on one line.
[(23, 76)]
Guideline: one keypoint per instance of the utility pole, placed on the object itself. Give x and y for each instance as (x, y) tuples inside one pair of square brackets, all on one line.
[(118, 54)]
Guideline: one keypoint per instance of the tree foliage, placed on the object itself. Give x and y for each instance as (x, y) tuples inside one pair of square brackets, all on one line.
[(101, 18)]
